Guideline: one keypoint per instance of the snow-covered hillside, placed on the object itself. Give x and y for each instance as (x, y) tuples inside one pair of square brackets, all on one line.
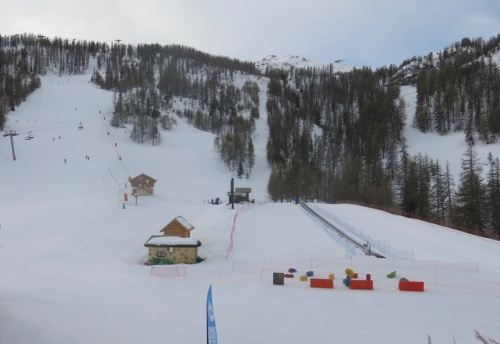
[(289, 61), (443, 148), (72, 250)]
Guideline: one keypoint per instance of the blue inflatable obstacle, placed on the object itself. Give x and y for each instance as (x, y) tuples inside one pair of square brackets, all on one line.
[(347, 281), (309, 274)]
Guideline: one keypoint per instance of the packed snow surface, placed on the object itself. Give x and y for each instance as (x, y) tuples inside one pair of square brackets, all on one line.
[(72, 255)]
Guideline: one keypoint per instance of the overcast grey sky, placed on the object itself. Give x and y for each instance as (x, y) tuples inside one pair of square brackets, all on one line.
[(362, 32)]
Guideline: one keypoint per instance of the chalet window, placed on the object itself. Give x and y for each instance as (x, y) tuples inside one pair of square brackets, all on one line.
[(171, 249), (147, 181), (160, 254)]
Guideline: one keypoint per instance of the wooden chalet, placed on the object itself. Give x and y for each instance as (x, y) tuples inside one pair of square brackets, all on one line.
[(142, 185), (178, 227)]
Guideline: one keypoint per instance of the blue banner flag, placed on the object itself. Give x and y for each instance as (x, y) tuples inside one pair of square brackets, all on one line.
[(211, 330)]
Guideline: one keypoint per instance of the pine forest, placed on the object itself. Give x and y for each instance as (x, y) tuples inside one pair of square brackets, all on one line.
[(333, 136)]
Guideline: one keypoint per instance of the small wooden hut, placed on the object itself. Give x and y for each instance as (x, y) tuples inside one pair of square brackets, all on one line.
[(240, 195), (178, 227)]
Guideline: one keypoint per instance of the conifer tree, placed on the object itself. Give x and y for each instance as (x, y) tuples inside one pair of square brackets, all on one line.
[(493, 195), (275, 186), (2, 113), (240, 171), (470, 201), (251, 155), (449, 191), (407, 182), (441, 193)]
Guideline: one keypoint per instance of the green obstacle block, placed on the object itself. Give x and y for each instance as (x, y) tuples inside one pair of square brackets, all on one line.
[(391, 275)]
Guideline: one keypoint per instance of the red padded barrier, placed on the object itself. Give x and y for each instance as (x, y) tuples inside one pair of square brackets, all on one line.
[(411, 286), (321, 283), (361, 284)]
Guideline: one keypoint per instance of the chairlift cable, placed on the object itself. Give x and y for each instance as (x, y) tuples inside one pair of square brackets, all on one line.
[(116, 181), (114, 143)]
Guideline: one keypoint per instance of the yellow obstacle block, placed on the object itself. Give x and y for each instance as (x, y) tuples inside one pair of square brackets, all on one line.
[(303, 278), (331, 276)]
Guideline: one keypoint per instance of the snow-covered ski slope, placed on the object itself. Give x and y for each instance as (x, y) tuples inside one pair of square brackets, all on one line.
[(72, 258)]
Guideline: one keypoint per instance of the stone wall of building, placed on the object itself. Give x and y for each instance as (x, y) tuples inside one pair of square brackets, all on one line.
[(176, 254)]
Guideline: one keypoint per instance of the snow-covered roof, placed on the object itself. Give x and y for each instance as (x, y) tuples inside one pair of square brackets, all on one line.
[(243, 190), (162, 240), (185, 223), (240, 191), (141, 177)]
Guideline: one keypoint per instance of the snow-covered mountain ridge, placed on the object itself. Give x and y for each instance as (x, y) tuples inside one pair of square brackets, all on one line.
[(294, 61), (407, 72)]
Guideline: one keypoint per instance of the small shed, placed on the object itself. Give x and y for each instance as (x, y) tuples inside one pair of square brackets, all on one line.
[(178, 227), (172, 250), (240, 195), (143, 185)]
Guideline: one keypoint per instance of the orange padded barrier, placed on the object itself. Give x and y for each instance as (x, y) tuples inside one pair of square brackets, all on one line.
[(361, 284), (411, 286), (321, 283)]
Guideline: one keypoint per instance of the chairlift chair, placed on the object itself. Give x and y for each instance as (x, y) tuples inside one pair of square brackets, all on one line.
[(30, 136), (80, 127)]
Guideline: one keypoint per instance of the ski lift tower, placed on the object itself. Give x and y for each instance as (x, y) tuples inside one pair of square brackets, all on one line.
[(12, 133), (232, 193)]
